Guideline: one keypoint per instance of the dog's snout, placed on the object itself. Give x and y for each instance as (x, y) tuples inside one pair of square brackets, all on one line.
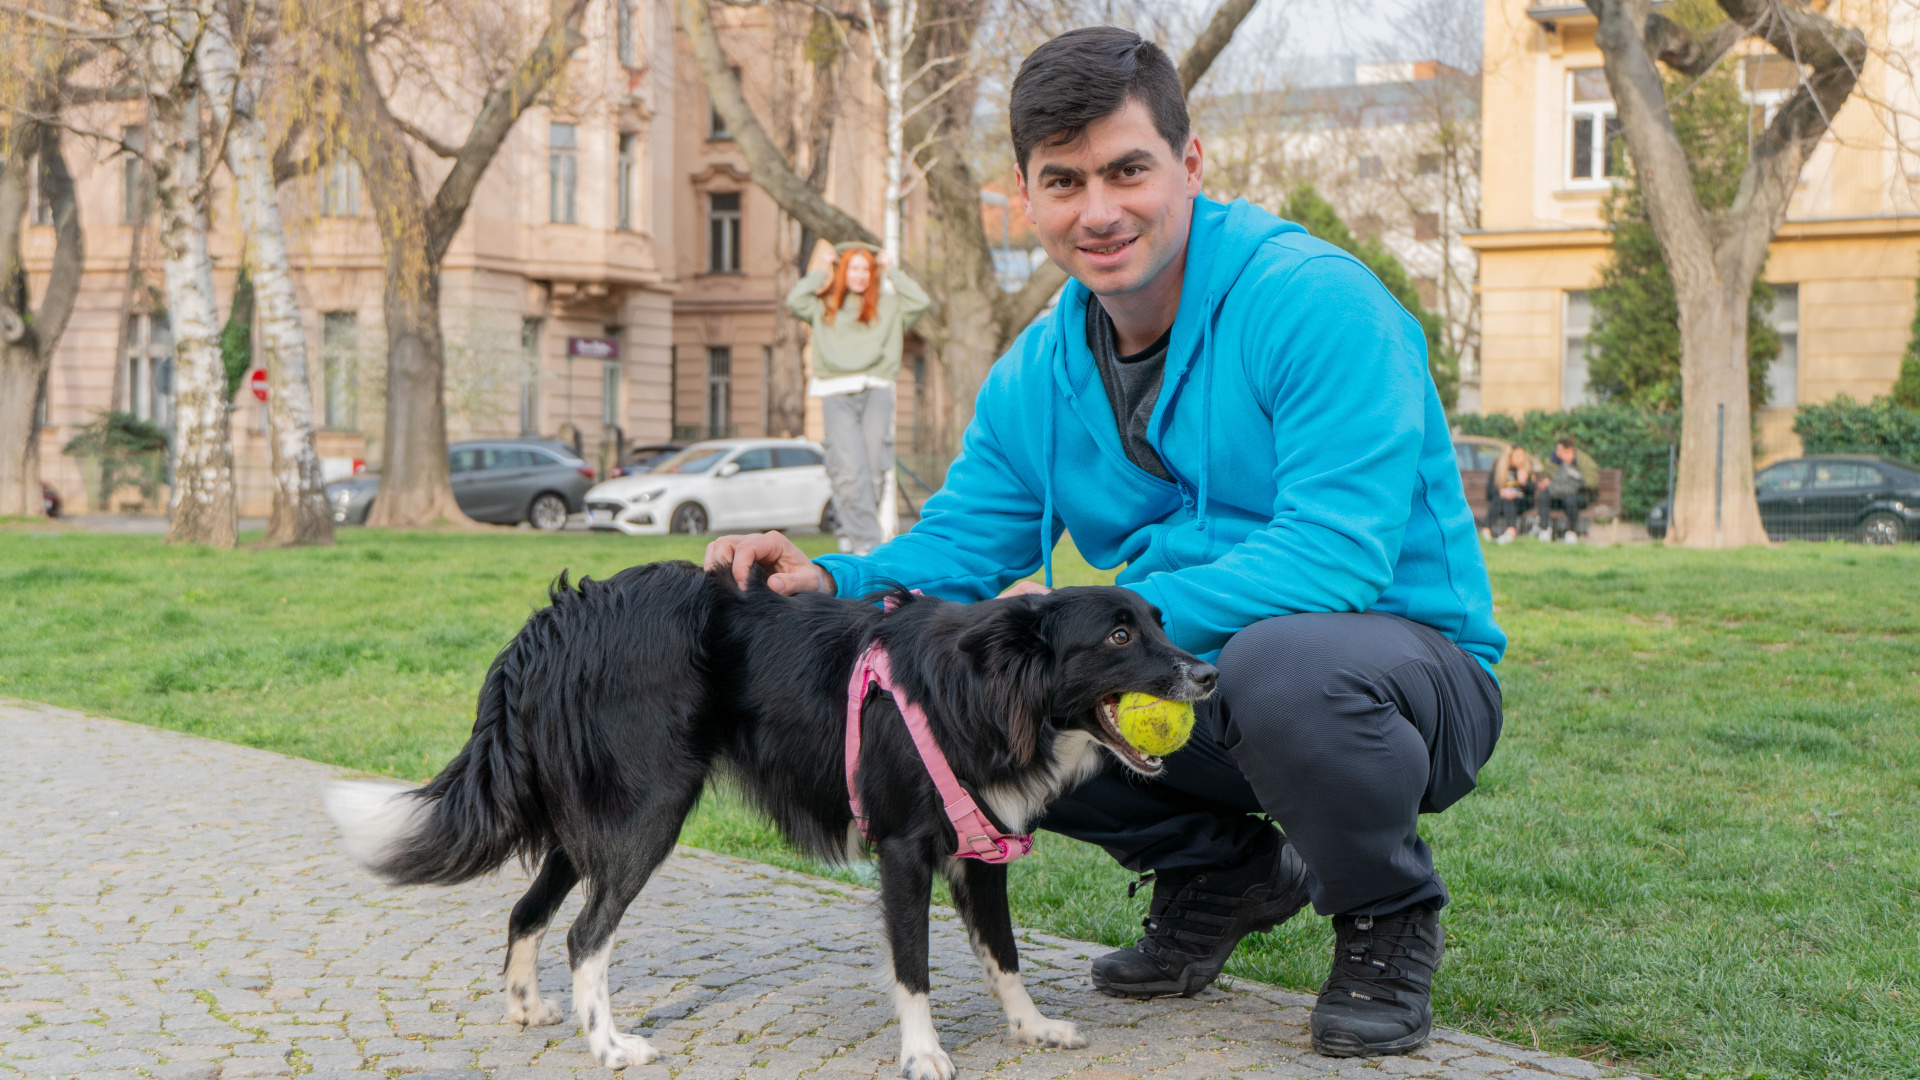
[(1204, 675)]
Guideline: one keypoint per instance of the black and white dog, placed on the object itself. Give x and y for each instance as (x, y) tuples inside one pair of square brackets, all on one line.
[(600, 724)]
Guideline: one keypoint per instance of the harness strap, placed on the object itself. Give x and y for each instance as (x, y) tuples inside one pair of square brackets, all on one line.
[(979, 837)]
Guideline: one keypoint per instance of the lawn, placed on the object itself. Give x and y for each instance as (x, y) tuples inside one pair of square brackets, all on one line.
[(1697, 850)]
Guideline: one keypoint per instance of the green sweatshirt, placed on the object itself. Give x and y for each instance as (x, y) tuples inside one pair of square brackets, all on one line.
[(847, 346)]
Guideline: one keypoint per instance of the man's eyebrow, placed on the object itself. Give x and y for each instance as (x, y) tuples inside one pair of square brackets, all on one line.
[(1131, 157), (1048, 172)]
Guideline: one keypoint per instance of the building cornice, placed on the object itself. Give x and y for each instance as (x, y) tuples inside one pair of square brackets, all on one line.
[(1866, 227), (1535, 239)]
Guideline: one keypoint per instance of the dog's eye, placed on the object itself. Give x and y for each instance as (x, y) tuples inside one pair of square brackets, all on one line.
[(1120, 636)]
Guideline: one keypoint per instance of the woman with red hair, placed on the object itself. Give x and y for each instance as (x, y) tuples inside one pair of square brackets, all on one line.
[(860, 312)]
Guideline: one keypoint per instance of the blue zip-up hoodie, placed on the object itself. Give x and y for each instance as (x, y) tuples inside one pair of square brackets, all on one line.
[(1313, 469)]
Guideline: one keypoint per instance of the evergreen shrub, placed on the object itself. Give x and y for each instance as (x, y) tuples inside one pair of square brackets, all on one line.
[(1846, 426)]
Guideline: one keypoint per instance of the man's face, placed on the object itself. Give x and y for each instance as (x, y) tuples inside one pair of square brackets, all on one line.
[(1113, 206), (1564, 453)]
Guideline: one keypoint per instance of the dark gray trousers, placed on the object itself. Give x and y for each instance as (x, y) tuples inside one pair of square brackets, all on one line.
[(1342, 727)]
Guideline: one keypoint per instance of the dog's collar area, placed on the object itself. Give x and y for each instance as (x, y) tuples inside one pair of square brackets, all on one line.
[(979, 837)]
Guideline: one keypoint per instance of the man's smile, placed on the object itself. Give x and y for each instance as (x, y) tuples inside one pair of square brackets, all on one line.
[(1108, 253)]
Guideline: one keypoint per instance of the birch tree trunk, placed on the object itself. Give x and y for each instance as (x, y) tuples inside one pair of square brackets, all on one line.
[(300, 514)]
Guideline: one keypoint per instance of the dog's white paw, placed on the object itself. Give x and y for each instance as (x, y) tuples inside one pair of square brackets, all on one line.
[(538, 1013), (1053, 1034), (625, 1051), (927, 1064)]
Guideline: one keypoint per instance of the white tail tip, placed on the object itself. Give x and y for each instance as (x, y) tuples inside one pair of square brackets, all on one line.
[(374, 817)]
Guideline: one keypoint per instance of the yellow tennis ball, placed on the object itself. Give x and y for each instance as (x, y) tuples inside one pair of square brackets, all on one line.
[(1155, 726)]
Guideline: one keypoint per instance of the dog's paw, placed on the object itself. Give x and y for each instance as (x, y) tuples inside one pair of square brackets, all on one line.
[(928, 1064), (1053, 1034), (539, 1013), (626, 1051)]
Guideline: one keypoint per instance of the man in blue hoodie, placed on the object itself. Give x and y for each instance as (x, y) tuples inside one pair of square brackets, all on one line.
[(1242, 416)]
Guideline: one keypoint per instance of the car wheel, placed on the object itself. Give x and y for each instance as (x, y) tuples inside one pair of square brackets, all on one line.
[(1882, 528), (689, 518), (829, 520), (548, 513)]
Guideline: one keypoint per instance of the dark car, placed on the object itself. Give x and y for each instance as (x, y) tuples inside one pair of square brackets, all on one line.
[(1874, 500), (504, 481), (642, 459)]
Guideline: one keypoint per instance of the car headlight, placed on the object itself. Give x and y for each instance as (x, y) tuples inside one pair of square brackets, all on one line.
[(649, 496), (340, 496)]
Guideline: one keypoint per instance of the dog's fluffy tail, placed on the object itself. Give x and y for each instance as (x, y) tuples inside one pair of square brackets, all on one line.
[(478, 813)]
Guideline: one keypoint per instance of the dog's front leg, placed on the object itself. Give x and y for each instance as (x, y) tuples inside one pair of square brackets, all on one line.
[(980, 892), (906, 890)]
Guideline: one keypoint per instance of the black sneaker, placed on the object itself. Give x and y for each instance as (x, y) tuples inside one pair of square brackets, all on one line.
[(1196, 919), (1378, 999)]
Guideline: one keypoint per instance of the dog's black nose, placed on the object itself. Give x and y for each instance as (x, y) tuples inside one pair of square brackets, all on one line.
[(1204, 675)]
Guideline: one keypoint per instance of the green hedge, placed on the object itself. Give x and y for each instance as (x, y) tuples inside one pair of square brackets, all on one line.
[(1624, 437), (1846, 426)]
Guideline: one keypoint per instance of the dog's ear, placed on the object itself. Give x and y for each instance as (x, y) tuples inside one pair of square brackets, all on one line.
[(1011, 653)]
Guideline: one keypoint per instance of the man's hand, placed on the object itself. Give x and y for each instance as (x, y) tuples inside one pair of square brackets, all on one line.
[(792, 571), (1023, 588)]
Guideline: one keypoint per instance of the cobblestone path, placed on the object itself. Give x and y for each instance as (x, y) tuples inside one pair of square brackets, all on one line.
[(173, 907)]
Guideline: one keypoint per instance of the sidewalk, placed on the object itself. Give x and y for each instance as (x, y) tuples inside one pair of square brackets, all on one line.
[(174, 908)]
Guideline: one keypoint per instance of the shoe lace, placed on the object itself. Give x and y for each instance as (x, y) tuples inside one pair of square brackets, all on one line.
[(1382, 957), (1194, 922)]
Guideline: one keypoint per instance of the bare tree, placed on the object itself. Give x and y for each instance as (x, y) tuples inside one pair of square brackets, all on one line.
[(300, 514), (28, 335), (1714, 255), (158, 41), (418, 226), (973, 319)]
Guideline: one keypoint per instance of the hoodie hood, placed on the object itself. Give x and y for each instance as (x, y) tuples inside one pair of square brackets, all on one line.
[(1222, 239)]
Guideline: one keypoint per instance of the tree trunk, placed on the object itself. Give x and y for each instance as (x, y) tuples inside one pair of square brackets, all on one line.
[(300, 513), (29, 338), (415, 486), (203, 505), (1713, 503)]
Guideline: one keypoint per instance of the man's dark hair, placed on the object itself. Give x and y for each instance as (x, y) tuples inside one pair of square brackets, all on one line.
[(1086, 75), (1566, 441)]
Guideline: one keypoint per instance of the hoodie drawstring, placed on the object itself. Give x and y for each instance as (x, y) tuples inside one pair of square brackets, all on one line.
[(1206, 410)]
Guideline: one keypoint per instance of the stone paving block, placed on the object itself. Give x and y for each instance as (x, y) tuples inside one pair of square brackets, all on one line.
[(215, 930)]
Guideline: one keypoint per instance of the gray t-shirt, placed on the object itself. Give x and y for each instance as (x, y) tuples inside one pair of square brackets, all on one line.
[(1133, 385)]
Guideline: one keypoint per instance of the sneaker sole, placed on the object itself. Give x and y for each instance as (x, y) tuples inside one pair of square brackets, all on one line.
[(1180, 987), (1353, 1048)]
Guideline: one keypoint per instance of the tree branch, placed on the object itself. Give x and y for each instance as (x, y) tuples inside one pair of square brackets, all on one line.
[(496, 118), (1676, 46), (286, 166), (1206, 48), (435, 146), (69, 253), (765, 163)]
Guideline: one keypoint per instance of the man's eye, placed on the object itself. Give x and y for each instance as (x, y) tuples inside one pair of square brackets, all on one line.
[(1132, 171), (1120, 636)]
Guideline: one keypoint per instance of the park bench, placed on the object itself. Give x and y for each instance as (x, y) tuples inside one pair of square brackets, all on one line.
[(1605, 507)]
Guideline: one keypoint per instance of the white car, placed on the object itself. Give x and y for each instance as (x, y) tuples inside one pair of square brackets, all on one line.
[(725, 484)]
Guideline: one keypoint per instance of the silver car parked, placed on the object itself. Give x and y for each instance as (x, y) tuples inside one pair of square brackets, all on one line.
[(504, 481)]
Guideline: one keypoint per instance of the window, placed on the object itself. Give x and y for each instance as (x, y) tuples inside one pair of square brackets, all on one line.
[(610, 394), (530, 376), (717, 124), (1426, 225), (563, 172), (624, 178), (625, 46), (1593, 131), (1428, 290), (756, 460), (339, 365), (42, 207), (340, 189), (1837, 475), (1781, 479), (463, 461), (719, 390), (723, 232), (1573, 357), (1783, 377), (1371, 167), (136, 188), (150, 368), (794, 457), (1426, 164)]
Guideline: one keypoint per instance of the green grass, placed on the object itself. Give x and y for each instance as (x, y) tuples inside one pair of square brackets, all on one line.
[(1697, 850)]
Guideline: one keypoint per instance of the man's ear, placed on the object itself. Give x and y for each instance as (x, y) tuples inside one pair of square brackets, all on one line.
[(1014, 661)]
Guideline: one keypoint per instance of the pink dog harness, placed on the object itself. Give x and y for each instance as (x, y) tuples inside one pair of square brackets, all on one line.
[(979, 838)]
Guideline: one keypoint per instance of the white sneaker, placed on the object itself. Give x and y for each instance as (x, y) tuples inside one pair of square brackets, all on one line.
[(1545, 536), (846, 546), (1572, 538), (1505, 538)]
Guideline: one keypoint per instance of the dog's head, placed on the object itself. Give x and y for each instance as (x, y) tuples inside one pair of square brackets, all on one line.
[(1064, 658)]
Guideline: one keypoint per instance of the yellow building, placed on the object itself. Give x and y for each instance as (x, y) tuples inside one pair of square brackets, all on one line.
[(1843, 265)]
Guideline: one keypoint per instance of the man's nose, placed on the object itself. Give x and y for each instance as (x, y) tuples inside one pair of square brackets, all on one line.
[(1204, 675), (1099, 213)]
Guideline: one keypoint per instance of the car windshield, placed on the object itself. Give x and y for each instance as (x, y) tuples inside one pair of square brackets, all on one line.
[(694, 459)]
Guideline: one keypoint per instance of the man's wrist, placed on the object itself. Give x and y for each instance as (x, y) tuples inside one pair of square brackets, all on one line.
[(827, 584)]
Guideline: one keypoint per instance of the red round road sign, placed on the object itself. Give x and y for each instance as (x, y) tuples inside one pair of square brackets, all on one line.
[(257, 379)]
